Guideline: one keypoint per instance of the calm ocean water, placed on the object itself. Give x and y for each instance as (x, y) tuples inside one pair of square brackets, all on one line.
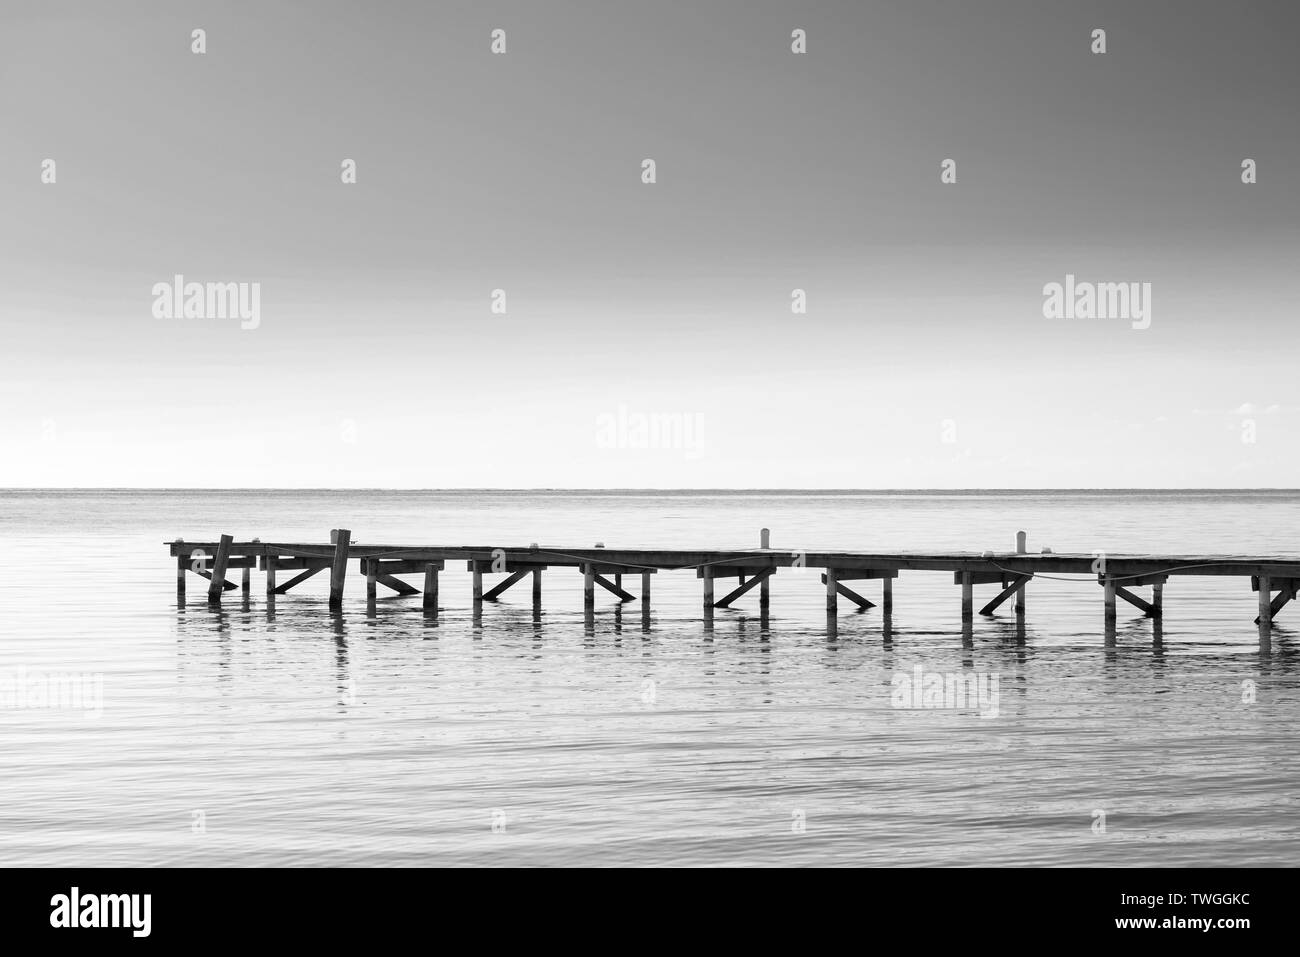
[(244, 737)]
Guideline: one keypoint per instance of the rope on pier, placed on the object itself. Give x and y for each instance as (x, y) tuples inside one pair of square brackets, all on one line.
[(1118, 578)]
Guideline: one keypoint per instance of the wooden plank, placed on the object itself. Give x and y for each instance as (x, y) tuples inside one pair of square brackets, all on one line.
[(1286, 593), (300, 578), (981, 578), (396, 584), (225, 585), (1146, 607), (219, 564), (760, 577), (397, 567), (1017, 583), (500, 587), (609, 586), (850, 594), (339, 568)]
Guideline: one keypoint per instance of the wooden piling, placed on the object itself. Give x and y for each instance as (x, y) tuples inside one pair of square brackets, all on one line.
[(1021, 549), (372, 570), (270, 561), (832, 592), (339, 570), (707, 577), (537, 589), (1108, 586), (431, 589), (589, 586), (765, 587), (218, 582), (478, 587), (1157, 600), (645, 590), (182, 566), (887, 596), (1265, 601), (967, 596)]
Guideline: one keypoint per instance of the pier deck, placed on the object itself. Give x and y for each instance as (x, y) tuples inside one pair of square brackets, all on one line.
[(1274, 577)]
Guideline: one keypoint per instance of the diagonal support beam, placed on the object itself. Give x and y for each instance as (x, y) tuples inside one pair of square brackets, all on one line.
[(1146, 606), (851, 595), (609, 586), (1287, 593), (226, 585), (1016, 583), (745, 586), (298, 579), (492, 593), (396, 584)]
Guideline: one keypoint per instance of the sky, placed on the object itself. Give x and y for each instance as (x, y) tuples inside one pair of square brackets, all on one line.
[(648, 338)]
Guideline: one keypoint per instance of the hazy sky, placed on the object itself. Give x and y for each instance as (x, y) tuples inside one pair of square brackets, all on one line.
[(924, 358)]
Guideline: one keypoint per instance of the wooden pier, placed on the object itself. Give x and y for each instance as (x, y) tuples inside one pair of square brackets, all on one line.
[(1274, 578)]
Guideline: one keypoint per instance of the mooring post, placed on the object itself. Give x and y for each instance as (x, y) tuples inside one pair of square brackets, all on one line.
[(764, 588), (967, 596), (247, 582), (537, 589), (887, 593), (1021, 549), (832, 593), (1108, 584), (219, 563), (339, 570), (1265, 601), (431, 589)]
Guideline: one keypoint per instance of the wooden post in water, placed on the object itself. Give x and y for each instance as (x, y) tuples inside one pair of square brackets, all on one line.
[(270, 574), (339, 570), (431, 589), (707, 576), (218, 582), (1157, 600), (1021, 549), (372, 569), (181, 566), (1265, 601), (887, 591), (832, 593), (967, 597), (478, 587), (589, 587), (1108, 584), (537, 589), (247, 583), (764, 591), (645, 591)]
